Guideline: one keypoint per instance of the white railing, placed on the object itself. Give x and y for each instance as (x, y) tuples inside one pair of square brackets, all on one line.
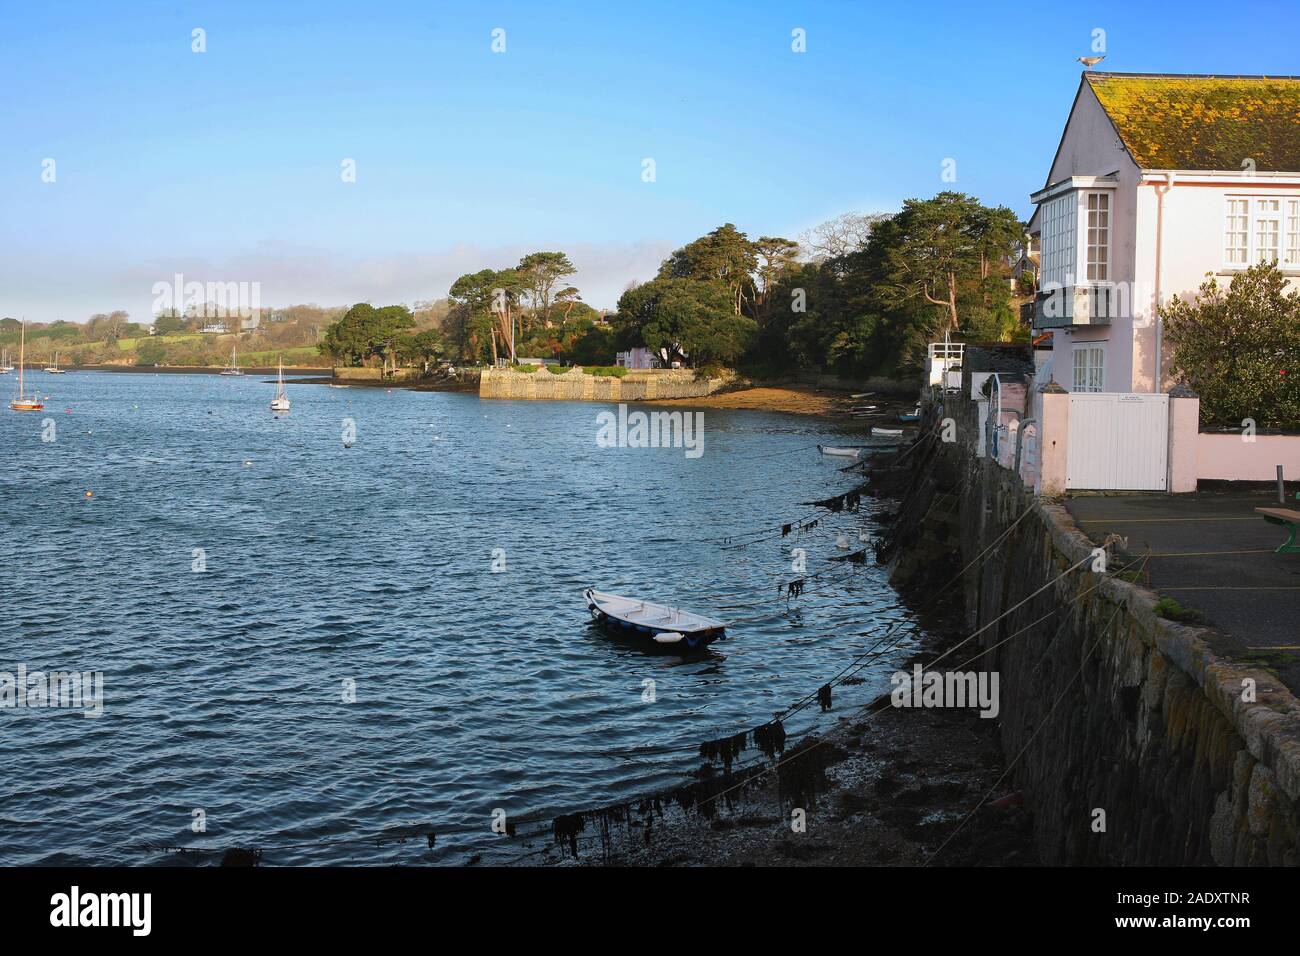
[(945, 364)]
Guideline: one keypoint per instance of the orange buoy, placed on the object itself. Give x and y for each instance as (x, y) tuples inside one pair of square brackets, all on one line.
[(90, 494)]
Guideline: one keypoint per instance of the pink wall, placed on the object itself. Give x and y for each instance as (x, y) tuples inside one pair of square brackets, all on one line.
[(1228, 457)]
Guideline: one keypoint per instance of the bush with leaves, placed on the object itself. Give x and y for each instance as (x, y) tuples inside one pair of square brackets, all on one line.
[(1239, 348)]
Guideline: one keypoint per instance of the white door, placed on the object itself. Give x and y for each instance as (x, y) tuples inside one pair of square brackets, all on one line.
[(1118, 441)]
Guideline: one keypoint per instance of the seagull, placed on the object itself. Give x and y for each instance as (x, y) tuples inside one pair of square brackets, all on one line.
[(1090, 61)]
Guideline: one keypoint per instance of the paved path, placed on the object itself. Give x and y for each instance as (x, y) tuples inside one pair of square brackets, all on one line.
[(1211, 552)]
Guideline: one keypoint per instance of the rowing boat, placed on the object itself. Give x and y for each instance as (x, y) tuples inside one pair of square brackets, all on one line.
[(667, 628), (839, 452), (877, 430)]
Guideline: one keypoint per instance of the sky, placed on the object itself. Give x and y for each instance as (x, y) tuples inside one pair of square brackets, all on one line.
[(228, 164)]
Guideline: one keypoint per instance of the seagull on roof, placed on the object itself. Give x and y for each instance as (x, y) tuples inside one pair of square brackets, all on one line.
[(1091, 61)]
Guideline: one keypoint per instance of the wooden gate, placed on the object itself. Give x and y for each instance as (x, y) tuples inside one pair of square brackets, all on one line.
[(1118, 441)]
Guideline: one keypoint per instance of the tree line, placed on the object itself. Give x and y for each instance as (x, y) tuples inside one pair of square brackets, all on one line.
[(860, 294)]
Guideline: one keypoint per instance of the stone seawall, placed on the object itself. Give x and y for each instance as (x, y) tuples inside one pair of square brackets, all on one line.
[(576, 385), (1104, 705)]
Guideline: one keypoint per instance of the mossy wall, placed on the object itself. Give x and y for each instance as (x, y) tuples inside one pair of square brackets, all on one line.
[(1104, 705), (576, 385)]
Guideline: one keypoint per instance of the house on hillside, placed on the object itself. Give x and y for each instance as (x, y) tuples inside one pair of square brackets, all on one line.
[(1157, 181)]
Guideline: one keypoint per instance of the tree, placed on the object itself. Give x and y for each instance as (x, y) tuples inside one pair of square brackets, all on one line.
[(424, 346), (724, 256), (844, 235), (150, 353), (108, 327), (568, 297), (774, 256), (937, 243), (365, 332), (538, 274), (685, 318), (471, 297), (1239, 348)]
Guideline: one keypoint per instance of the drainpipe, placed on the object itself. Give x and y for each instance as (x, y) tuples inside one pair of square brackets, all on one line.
[(1170, 177)]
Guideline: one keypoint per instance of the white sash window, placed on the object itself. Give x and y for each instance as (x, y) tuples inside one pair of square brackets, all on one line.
[(1261, 229), (1099, 236), (1089, 368)]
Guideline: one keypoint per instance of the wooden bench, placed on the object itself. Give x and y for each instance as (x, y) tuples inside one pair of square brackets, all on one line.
[(1288, 519)]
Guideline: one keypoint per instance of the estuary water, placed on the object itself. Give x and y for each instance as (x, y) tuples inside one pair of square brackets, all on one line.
[(310, 644)]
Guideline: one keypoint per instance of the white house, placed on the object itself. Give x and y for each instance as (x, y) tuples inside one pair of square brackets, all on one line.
[(1157, 181), (637, 358)]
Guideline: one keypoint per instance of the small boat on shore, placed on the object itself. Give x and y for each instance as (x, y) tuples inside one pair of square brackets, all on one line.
[(840, 452), (886, 432), (913, 416), (862, 394), (665, 628)]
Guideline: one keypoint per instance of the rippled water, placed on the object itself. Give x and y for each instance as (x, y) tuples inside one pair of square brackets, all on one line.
[(474, 690)]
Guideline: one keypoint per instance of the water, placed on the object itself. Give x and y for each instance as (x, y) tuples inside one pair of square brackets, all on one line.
[(373, 564)]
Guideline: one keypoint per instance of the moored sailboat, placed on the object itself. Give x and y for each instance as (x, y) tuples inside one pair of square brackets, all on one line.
[(5, 367), (24, 402), (281, 401), (234, 366), (53, 368)]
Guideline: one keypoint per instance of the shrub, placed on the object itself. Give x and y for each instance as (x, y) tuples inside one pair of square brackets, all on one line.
[(556, 369), (526, 369), (605, 371), (1239, 348)]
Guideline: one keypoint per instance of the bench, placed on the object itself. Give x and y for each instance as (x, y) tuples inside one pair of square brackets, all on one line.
[(1288, 519)]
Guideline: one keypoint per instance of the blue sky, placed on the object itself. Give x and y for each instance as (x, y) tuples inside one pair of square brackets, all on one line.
[(225, 165)]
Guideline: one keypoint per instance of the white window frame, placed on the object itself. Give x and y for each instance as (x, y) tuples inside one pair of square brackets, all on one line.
[(1261, 220), (1291, 231), (1060, 240), (1090, 375), (1098, 207)]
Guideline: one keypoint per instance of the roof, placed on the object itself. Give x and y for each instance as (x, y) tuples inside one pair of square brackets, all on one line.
[(1203, 122), (998, 357)]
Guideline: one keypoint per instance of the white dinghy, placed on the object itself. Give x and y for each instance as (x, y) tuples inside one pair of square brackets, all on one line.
[(667, 627), (839, 452)]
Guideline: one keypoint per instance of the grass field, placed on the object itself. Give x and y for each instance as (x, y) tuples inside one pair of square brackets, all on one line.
[(192, 345)]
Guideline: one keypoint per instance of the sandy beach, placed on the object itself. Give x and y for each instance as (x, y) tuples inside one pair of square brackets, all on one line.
[(795, 400)]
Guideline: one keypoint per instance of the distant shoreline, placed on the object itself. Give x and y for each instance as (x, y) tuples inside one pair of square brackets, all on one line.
[(191, 369)]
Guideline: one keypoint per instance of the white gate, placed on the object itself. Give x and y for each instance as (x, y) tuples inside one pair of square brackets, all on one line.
[(1118, 440)]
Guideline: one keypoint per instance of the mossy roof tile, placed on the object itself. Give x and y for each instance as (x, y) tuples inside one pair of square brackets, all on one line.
[(1204, 122)]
